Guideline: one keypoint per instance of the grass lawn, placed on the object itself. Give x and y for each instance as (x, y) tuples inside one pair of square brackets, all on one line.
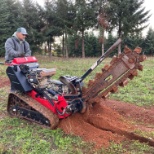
[(21, 137)]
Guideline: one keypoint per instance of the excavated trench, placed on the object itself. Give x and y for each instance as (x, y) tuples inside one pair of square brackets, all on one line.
[(102, 125)]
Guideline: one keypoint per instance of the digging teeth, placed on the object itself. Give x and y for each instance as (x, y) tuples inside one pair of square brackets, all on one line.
[(114, 89), (138, 50), (124, 83), (140, 67), (106, 67), (131, 76), (114, 59), (120, 70), (142, 58), (134, 72), (98, 75), (127, 50), (105, 95)]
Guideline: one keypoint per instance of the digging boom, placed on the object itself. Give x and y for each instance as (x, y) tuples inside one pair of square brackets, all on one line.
[(107, 53), (117, 73)]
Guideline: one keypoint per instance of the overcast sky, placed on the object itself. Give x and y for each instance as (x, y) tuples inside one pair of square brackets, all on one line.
[(149, 5)]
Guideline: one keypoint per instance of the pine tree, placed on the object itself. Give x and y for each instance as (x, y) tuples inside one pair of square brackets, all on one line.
[(85, 19), (5, 27), (33, 22), (65, 16), (148, 45), (127, 16), (53, 26), (15, 18)]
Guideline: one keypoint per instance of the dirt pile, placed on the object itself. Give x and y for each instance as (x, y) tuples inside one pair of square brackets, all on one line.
[(140, 114), (95, 125), (104, 123)]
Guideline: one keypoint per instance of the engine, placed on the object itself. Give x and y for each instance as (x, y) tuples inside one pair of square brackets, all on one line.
[(40, 78)]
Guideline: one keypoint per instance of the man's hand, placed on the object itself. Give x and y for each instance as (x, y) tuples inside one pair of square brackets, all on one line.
[(22, 55)]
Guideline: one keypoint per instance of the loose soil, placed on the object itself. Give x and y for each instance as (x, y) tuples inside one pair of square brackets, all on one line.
[(107, 121), (110, 120)]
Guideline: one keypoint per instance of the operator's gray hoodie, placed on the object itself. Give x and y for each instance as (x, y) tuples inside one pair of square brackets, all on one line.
[(16, 48)]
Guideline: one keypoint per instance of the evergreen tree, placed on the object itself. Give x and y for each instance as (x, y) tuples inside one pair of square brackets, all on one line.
[(109, 42), (74, 45), (85, 19), (127, 16), (148, 45), (92, 46), (15, 18), (53, 25), (102, 20), (65, 13), (134, 40), (5, 28), (32, 20)]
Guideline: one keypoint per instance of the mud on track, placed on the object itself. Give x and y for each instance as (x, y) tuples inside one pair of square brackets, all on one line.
[(107, 121)]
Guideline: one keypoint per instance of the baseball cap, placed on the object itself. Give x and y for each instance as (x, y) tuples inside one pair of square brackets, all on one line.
[(22, 30)]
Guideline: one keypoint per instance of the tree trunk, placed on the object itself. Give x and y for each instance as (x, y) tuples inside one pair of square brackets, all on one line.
[(45, 49), (83, 51), (66, 47), (63, 46), (49, 51), (103, 41), (119, 46)]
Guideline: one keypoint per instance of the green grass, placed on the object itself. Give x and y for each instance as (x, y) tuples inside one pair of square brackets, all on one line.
[(133, 147), (21, 137)]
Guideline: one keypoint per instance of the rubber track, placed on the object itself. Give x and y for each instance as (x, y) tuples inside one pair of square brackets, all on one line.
[(121, 68), (28, 103)]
